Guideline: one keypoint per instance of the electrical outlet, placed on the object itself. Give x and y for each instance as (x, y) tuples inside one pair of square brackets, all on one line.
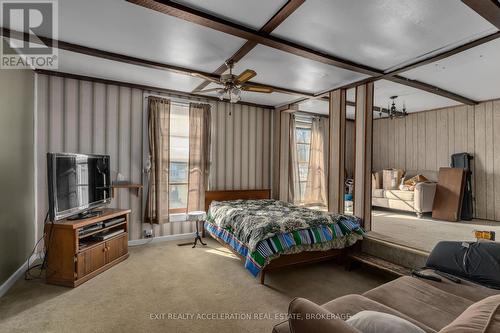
[(484, 234), (148, 233)]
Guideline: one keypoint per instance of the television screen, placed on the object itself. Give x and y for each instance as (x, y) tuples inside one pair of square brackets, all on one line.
[(77, 183)]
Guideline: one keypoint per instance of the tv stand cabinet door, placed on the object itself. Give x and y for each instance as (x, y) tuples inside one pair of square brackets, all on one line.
[(116, 247), (90, 260)]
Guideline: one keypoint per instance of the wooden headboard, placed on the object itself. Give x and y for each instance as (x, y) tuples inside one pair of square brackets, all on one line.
[(234, 195)]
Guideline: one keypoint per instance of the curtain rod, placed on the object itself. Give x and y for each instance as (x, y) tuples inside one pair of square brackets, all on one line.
[(310, 114), (181, 100)]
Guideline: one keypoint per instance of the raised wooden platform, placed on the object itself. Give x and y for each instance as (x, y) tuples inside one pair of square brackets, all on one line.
[(379, 263)]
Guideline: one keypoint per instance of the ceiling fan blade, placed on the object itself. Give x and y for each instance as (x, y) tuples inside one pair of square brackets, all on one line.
[(245, 76), (205, 77), (208, 90), (258, 89)]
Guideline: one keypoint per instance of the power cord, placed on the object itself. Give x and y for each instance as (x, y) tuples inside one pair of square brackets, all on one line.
[(27, 273)]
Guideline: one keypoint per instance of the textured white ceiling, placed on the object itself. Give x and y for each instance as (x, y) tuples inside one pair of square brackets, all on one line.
[(80, 64), (287, 70), (415, 100), (382, 33), (474, 73), (122, 27), (251, 13), (379, 33)]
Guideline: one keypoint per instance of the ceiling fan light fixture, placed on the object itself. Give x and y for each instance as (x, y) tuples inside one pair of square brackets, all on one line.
[(393, 111), (220, 94), (236, 91), (234, 98)]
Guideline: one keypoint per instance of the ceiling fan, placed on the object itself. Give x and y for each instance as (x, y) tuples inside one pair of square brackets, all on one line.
[(232, 85)]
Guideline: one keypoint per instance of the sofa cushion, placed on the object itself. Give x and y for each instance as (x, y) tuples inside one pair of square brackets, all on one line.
[(481, 317), (466, 289), (306, 316), (282, 327), (378, 193), (376, 322), (394, 204), (421, 301), (349, 305), (399, 195)]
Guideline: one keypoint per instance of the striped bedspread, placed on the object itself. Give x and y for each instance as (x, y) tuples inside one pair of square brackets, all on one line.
[(326, 231)]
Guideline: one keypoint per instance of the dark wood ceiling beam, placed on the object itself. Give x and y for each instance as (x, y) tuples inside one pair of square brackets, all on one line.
[(140, 86), (445, 54), (198, 17), (210, 21), (62, 45), (431, 89), (270, 25), (488, 9)]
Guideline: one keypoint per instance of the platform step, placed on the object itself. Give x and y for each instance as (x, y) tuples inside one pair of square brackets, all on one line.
[(379, 263), (395, 253)]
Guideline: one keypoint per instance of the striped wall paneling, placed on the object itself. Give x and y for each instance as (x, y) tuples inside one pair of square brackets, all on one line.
[(89, 117)]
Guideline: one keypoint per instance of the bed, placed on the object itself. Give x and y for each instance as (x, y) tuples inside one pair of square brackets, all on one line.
[(269, 234)]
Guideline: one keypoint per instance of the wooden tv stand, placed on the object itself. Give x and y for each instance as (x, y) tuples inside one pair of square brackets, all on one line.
[(74, 258)]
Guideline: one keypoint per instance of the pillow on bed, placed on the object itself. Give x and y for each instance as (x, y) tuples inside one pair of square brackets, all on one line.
[(377, 322)]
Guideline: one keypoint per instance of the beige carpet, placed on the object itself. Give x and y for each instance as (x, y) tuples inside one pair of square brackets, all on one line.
[(163, 278), (424, 233)]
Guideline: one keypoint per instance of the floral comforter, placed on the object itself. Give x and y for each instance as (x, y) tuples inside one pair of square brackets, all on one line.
[(252, 221)]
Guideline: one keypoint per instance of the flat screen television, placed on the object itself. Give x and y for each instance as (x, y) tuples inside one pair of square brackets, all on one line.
[(77, 184)]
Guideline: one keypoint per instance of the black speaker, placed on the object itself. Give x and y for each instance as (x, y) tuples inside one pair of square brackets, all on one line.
[(463, 160)]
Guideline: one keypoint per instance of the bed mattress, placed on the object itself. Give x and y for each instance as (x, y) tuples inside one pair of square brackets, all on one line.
[(261, 230)]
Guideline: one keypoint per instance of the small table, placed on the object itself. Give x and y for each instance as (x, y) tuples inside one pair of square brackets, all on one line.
[(196, 216)]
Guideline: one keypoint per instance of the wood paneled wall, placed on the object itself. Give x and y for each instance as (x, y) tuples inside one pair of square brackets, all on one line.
[(89, 117), (426, 140)]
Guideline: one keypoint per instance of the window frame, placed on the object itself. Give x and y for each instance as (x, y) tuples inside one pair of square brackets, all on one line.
[(175, 215), (303, 124), (179, 210)]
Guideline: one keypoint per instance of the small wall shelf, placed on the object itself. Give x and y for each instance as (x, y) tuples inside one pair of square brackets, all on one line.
[(136, 187)]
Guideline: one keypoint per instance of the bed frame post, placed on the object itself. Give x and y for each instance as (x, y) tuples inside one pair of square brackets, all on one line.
[(262, 276)]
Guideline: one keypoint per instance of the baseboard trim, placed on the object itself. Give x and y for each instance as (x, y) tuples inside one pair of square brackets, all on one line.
[(159, 239), (19, 273)]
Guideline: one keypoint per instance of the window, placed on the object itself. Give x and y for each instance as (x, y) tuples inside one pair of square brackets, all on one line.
[(179, 158), (303, 138)]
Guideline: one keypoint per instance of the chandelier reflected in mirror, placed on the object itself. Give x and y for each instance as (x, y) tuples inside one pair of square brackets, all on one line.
[(392, 111)]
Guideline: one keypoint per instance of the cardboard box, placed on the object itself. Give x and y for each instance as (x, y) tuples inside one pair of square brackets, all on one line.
[(392, 178), (377, 180)]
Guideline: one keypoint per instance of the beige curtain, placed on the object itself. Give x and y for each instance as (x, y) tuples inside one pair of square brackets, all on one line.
[(316, 189), (293, 166), (199, 155), (159, 151), (284, 151)]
